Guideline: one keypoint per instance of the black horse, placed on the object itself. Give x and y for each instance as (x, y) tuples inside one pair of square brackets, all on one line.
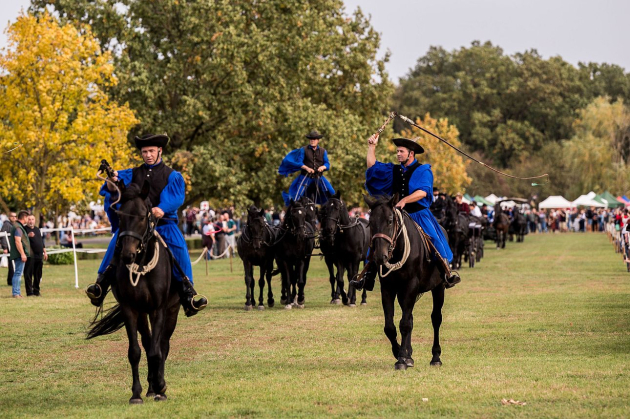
[(456, 227), (407, 271), (149, 303), (344, 242), (255, 248), (501, 225), (293, 249), (518, 226)]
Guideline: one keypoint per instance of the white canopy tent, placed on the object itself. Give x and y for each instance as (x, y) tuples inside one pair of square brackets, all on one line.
[(492, 198), (588, 201), (556, 201)]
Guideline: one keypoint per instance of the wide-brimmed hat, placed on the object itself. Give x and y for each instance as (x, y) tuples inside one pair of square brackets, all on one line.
[(314, 135), (410, 144), (151, 140)]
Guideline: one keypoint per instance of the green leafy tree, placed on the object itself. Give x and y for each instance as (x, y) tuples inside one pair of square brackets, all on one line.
[(238, 84)]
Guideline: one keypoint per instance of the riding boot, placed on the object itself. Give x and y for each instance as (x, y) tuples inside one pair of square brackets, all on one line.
[(450, 278), (187, 296), (366, 278), (97, 291)]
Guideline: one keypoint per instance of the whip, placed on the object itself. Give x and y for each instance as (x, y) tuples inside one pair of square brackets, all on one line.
[(410, 122)]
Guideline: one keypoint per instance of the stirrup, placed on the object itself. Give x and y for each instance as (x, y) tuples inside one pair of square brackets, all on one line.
[(92, 296), (455, 280), (202, 306)]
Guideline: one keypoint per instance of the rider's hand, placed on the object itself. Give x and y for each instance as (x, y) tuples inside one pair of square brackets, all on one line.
[(373, 140), (401, 204), (157, 212), (115, 178), (321, 168), (310, 170)]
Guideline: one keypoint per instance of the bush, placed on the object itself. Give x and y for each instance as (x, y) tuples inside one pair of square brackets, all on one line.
[(60, 258)]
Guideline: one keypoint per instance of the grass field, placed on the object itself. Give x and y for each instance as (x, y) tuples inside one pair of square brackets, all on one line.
[(545, 322)]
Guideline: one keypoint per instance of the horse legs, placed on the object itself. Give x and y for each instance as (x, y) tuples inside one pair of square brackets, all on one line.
[(406, 327), (302, 269), (268, 274), (170, 321), (154, 353), (285, 272), (261, 286), (134, 353), (334, 295), (249, 284), (341, 270), (145, 334), (387, 297), (436, 320), (504, 239), (353, 270)]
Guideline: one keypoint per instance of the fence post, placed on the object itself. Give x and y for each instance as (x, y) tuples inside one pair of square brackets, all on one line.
[(74, 252)]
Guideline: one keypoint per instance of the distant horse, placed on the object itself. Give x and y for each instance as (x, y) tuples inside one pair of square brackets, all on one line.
[(519, 225), (344, 241), (148, 304), (456, 227), (406, 271), (501, 225), (293, 248), (255, 248)]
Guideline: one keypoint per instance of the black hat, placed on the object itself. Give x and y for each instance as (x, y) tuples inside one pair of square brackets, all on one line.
[(410, 144), (314, 135), (151, 140)]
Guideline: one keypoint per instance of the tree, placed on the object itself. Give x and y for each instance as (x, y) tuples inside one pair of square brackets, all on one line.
[(239, 83), (449, 167), (597, 156), (52, 103)]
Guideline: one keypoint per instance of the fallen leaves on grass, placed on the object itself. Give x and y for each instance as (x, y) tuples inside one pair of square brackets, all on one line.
[(506, 402)]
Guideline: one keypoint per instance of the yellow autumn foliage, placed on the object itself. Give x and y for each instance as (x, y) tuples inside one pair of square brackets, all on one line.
[(52, 104), (449, 167)]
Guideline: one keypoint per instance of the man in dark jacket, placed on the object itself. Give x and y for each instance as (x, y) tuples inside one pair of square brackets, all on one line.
[(7, 226), (20, 250), (35, 262)]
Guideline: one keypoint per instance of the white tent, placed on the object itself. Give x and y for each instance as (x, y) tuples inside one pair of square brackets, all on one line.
[(556, 201), (588, 201), (492, 198), (465, 200)]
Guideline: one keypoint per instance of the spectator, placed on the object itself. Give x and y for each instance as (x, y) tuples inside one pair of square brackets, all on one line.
[(207, 237), (190, 220), (20, 251), (474, 209), (542, 221), (35, 262), (220, 240), (67, 239), (7, 227), (230, 229), (461, 205)]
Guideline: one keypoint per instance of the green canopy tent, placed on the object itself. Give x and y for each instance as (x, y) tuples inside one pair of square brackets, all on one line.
[(481, 200), (611, 201), (468, 197)]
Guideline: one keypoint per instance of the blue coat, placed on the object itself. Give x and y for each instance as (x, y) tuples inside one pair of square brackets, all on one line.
[(379, 180), (293, 163), (171, 198)]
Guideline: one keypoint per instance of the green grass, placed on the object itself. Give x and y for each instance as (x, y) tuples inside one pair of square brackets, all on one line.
[(545, 322)]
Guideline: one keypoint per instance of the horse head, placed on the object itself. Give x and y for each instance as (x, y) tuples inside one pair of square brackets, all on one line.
[(333, 214), (295, 219), (135, 221), (311, 209), (256, 225), (383, 226)]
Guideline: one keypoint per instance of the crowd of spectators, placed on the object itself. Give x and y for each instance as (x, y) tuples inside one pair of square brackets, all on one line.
[(571, 220)]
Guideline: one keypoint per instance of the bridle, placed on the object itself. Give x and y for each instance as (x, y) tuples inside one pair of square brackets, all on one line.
[(338, 226), (391, 240), (149, 231), (399, 228), (250, 238)]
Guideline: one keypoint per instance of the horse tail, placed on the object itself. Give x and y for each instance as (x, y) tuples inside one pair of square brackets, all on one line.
[(113, 321)]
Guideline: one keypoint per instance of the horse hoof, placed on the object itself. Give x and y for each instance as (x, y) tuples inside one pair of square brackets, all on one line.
[(288, 307), (150, 394), (300, 306), (363, 303), (400, 366), (160, 397), (335, 301), (135, 401), (436, 363), (352, 305), (409, 363), (261, 307), (248, 308), (270, 303), (283, 301)]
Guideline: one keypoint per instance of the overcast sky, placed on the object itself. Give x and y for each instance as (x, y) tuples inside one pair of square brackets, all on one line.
[(577, 30)]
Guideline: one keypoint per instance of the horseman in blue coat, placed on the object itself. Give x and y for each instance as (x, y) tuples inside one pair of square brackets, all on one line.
[(413, 182), (166, 193), (311, 160)]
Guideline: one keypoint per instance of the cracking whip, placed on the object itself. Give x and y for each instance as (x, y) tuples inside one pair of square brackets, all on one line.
[(410, 122)]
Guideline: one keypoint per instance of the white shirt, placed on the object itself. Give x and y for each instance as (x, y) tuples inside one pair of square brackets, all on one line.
[(475, 211)]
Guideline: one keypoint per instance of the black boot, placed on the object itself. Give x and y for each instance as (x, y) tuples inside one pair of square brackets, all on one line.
[(451, 278), (366, 278), (187, 296), (97, 291)]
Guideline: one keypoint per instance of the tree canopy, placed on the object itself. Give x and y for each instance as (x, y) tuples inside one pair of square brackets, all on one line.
[(239, 83), (52, 104)]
